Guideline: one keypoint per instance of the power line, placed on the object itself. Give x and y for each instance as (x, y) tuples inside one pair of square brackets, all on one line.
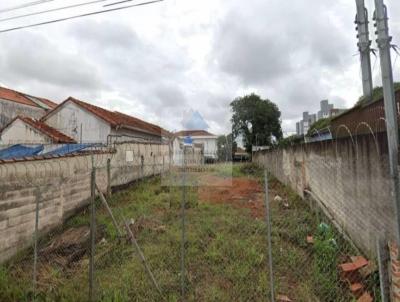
[(78, 16), (116, 3), (51, 10), (33, 3)]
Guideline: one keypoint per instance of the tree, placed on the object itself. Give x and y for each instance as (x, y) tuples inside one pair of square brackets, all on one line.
[(226, 147), (256, 120)]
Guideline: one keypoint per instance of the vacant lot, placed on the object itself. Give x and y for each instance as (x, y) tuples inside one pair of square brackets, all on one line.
[(226, 250)]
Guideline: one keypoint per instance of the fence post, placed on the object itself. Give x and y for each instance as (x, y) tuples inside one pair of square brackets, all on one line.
[(35, 239), (92, 230), (383, 258), (183, 239), (154, 164), (109, 178), (268, 220)]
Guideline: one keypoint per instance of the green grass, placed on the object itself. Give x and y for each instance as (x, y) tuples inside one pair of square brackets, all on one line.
[(226, 251)]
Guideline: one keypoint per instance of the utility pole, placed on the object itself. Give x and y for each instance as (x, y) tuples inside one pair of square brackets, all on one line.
[(383, 42), (364, 47)]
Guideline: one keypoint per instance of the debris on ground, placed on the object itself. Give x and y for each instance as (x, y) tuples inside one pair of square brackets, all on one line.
[(285, 204), (277, 198), (70, 246), (366, 297), (356, 263), (354, 273), (143, 223), (310, 239), (283, 298)]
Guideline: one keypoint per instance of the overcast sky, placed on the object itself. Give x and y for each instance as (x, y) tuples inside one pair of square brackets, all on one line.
[(161, 61)]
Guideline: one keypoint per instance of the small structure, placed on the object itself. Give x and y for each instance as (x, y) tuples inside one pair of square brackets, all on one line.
[(25, 130), (87, 123), (14, 103), (201, 139), (241, 155)]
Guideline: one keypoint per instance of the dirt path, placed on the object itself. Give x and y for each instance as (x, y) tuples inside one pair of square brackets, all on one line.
[(240, 192)]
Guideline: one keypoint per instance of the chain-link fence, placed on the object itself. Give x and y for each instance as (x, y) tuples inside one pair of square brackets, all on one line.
[(104, 226), (332, 216)]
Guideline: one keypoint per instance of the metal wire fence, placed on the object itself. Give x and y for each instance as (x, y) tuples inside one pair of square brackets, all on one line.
[(331, 224), (316, 231)]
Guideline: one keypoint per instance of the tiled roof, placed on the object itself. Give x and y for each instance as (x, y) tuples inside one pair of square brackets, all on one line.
[(194, 133), (21, 98), (55, 135), (115, 119), (49, 103), (137, 123), (15, 96)]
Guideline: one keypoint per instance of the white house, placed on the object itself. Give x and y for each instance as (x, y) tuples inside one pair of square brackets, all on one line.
[(87, 123), (201, 139), (25, 130), (14, 103)]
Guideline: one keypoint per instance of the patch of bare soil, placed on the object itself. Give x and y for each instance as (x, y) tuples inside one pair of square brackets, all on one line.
[(69, 247), (238, 192)]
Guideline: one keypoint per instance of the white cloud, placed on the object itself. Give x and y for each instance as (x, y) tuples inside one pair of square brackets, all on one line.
[(159, 61)]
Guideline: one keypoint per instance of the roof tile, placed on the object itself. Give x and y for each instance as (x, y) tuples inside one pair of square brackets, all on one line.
[(55, 135)]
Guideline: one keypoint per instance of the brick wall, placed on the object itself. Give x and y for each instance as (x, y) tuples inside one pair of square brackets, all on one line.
[(63, 187), (351, 178)]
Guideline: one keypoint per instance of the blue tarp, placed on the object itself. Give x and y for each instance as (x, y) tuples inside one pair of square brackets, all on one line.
[(70, 148), (19, 151)]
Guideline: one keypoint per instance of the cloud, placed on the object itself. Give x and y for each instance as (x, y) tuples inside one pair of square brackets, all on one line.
[(160, 61)]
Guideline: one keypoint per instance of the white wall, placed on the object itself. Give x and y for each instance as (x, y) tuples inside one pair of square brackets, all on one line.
[(9, 110), (20, 133), (69, 118), (210, 145)]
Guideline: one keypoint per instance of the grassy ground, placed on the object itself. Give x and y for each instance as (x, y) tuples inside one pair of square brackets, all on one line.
[(226, 251)]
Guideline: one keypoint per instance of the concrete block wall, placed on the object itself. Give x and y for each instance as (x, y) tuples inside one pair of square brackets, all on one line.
[(350, 176), (62, 186)]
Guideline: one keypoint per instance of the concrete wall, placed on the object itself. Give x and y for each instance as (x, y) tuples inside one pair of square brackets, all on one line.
[(9, 110), (349, 176), (20, 133), (63, 187)]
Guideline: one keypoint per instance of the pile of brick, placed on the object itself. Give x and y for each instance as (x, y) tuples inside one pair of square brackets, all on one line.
[(354, 273)]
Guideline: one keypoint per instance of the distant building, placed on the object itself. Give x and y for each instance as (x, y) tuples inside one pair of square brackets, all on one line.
[(326, 111), (200, 139), (14, 103), (241, 155), (87, 123), (303, 126), (25, 130)]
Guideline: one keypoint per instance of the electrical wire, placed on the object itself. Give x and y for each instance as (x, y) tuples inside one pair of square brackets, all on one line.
[(29, 4), (51, 10), (78, 16), (116, 3)]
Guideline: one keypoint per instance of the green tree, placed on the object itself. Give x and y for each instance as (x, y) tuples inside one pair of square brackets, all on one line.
[(256, 120)]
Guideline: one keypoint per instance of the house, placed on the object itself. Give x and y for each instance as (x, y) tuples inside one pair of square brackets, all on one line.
[(87, 123), (202, 139), (14, 103), (26, 130)]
